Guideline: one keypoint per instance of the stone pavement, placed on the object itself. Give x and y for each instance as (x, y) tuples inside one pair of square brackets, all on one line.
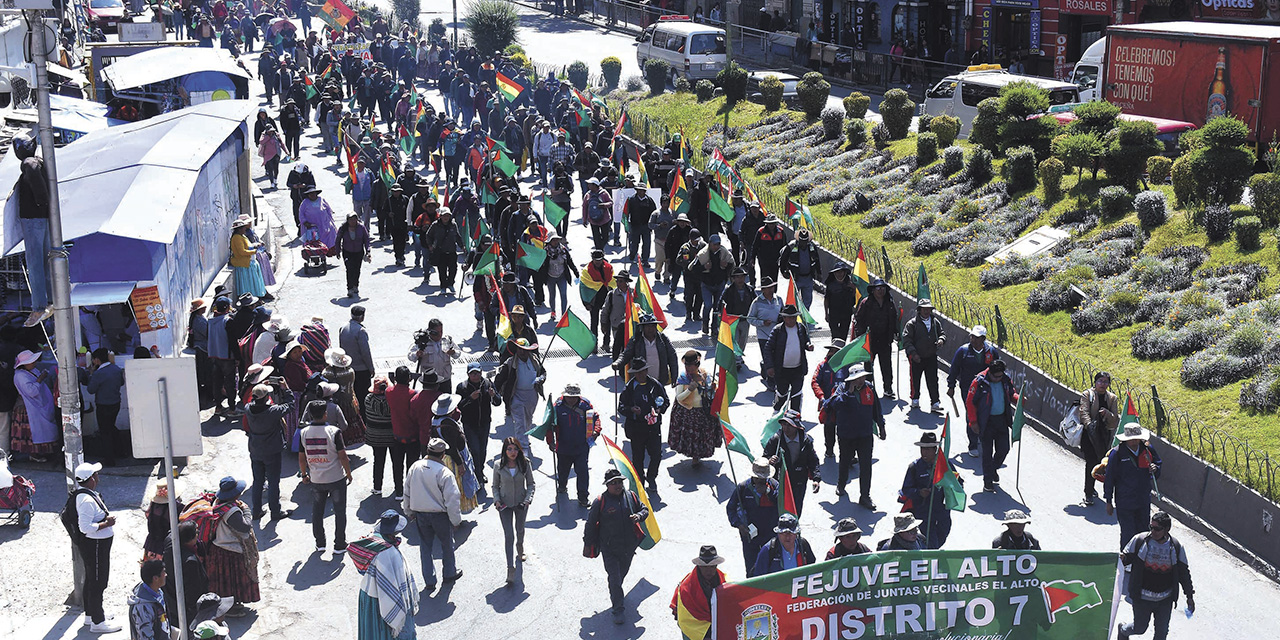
[(558, 591)]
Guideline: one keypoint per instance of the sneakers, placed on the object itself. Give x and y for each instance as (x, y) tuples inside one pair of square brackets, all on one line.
[(989, 487), (397, 497), (319, 547), (973, 453), (108, 618), (889, 395), (376, 493), (915, 403), (936, 407), (339, 550), (106, 626)]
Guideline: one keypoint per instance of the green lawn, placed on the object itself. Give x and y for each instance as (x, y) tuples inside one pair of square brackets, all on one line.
[(1108, 350)]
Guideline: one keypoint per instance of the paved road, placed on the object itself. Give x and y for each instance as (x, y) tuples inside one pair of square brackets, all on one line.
[(560, 593)]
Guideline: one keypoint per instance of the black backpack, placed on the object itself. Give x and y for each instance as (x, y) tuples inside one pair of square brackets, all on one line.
[(70, 516)]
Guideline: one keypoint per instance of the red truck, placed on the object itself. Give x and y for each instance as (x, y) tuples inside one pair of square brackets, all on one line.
[(1195, 71)]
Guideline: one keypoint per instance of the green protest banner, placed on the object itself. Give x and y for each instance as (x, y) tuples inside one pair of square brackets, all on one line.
[(933, 595)]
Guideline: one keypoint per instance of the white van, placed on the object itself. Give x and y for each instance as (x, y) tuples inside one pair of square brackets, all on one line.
[(960, 94), (695, 51), (1089, 69)]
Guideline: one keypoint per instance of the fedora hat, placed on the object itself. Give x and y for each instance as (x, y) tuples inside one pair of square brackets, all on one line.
[(789, 311), (847, 526), (707, 557), (1133, 431), (761, 468), (768, 281), (648, 319), (256, 373), (391, 523), (878, 282), (1016, 516), (197, 304), (638, 365), (929, 439), (904, 522), (858, 373), (623, 275), (337, 357), (517, 310), (275, 324), (446, 403)]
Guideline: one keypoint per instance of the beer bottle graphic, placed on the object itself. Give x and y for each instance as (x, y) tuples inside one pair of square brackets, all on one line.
[(1219, 89)]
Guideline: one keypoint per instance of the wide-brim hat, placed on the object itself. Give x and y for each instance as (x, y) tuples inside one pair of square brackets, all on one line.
[(787, 523), (839, 266), (311, 191), (256, 372), (648, 319), (445, 404), (26, 357), (904, 522), (738, 271), (293, 344), (623, 275), (337, 357), (246, 300), (436, 445), (857, 373), (274, 323), (707, 557), (523, 343), (768, 281), (789, 311), (430, 377), (1016, 516), (509, 278), (518, 310), (929, 439), (847, 526), (572, 390), (683, 218), (878, 282), (240, 224), (761, 468), (1133, 431), (327, 389), (198, 304), (638, 365), (230, 488), (391, 522)]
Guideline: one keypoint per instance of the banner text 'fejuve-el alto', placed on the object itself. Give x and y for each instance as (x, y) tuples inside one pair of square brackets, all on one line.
[(931, 595)]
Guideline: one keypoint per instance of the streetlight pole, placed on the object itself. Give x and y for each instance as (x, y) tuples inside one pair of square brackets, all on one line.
[(455, 27)]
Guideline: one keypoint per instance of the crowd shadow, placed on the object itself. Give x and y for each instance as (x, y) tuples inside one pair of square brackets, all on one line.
[(1095, 514)]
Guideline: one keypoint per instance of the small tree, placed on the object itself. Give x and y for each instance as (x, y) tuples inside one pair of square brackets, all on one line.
[(1077, 150), (655, 73), (771, 89), (897, 109), (986, 125), (1094, 117), (733, 78), (1050, 170), (926, 148), (1223, 165), (812, 92), (832, 123), (1129, 145), (408, 11), (856, 105), (611, 69), (855, 132), (436, 31), (946, 128), (1019, 170), (1265, 188), (492, 25), (704, 89), (579, 74), (1158, 169), (1019, 101)]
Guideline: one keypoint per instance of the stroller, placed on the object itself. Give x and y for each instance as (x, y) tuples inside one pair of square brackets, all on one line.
[(314, 252), (15, 501)]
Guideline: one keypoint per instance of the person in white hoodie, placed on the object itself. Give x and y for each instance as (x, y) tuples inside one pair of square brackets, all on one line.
[(432, 500)]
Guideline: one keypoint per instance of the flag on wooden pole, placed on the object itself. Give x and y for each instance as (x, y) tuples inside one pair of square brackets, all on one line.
[(648, 526)]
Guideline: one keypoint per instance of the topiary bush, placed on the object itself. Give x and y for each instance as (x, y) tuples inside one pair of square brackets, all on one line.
[(856, 105), (1077, 151), (1019, 101), (1096, 117), (578, 73), (946, 128), (855, 132), (655, 74), (1050, 171), (977, 167), (1114, 202), (1248, 233), (1265, 188), (1158, 168), (733, 78), (682, 85), (832, 123), (1217, 222), (771, 89), (1129, 145), (1221, 168), (611, 69), (1019, 170), (897, 110), (1184, 184), (705, 89), (492, 25), (633, 84), (986, 125), (926, 148), (812, 92), (922, 122), (1152, 208), (880, 136), (952, 160)]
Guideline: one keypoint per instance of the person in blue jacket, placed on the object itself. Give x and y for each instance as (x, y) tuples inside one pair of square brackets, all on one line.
[(990, 406), (966, 364), (787, 549), (752, 508), (1132, 470), (574, 431), (858, 419)]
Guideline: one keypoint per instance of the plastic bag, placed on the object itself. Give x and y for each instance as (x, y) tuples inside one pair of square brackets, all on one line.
[(1071, 429)]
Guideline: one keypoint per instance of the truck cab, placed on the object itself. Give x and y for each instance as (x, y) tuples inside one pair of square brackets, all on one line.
[(1089, 69)]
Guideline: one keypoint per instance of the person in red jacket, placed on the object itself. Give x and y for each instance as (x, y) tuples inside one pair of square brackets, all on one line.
[(404, 449), (597, 270)]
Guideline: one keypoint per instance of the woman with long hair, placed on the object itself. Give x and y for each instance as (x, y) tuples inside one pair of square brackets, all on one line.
[(513, 486)]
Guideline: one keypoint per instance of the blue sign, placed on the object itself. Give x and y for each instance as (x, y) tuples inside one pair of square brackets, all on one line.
[(1035, 31)]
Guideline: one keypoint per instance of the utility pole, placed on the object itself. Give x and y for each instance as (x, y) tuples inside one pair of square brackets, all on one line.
[(455, 27)]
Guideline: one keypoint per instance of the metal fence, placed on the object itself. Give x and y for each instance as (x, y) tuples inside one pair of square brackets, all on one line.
[(1251, 466)]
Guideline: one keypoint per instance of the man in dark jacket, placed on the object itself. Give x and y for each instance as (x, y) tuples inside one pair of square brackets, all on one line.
[(645, 344), (838, 301), (146, 603), (989, 408), (858, 419), (643, 401), (736, 301), (786, 360), (575, 429), (195, 582), (878, 315), (1132, 469), (640, 208), (766, 246), (918, 492), (265, 421), (922, 336), (478, 400), (787, 549), (1015, 536), (799, 262), (611, 532), (1157, 568), (752, 508), (969, 361), (794, 448)]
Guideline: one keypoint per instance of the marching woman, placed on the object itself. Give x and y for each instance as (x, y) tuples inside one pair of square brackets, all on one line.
[(695, 430)]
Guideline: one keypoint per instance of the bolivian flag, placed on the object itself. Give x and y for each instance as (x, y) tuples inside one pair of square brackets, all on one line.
[(589, 287), (644, 175), (504, 318), (861, 279), (679, 195), (510, 89), (692, 608), (652, 535), (648, 301)]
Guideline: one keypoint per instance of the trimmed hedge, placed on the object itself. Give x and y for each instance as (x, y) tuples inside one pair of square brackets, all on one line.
[(856, 105), (1248, 232)]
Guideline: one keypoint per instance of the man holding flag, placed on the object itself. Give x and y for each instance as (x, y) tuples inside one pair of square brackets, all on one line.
[(989, 407), (791, 451), (922, 498), (752, 508), (611, 532), (573, 432)]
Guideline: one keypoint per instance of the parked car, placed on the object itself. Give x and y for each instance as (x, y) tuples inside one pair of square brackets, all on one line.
[(789, 82), (107, 13), (695, 51), (1167, 131)]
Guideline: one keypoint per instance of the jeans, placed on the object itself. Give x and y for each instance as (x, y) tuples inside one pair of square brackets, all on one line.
[(107, 432), (520, 415), (646, 444), (266, 471), (561, 284), (995, 446), (379, 465), (96, 555), (640, 239), (432, 527), (403, 454), (710, 300), (1143, 611), (35, 236), (929, 368), (351, 260), (805, 285), (616, 566), (579, 465), (324, 493), (790, 385), (1133, 520), (364, 209), (513, 530), (544, 165), (769, 384), (863, 447)]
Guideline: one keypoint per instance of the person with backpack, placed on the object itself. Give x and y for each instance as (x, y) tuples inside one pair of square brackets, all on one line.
[(597, 211), (325, 466), (1157, 565), (147, 619), (613, 532), (231, 547), (91, 527), (1132, 470)]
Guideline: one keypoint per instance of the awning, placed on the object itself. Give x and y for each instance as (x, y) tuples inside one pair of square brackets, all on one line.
[(85, 294), (167, 63), (59, 70), (71, 114)]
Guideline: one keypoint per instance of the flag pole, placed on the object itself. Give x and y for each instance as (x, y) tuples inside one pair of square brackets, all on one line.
[(1017, 476), (729, 454), (555, 457), (932, 500)]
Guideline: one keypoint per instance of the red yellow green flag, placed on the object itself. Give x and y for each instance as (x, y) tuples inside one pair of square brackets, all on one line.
[(504, 318), (679, 195), (589, 287), (510, 89), (648, 301), (861, 277), (649, 526), (336, 14), (787, 501)]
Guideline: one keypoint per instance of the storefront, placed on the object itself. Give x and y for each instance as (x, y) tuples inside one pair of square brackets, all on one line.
[(1046, 36), (1080, 24)]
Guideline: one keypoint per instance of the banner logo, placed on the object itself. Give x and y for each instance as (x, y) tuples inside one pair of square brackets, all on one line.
[(758, 623), (1070, 596)]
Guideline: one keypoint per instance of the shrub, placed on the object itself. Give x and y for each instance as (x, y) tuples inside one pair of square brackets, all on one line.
[(682, 85), (1050, 171), (946, 128), (611, 69), (1114, 202), (407, 11), (1152, 208), (1158, 169), (1217, 222), (1018, 102), (986, 125), (1095, 117), (578, 74), (705, 89), (1247, 340), (1019, 169), (1248, 232), (896, 110), (733, 78), (922, 122), (952, 160), (812, 92), (832, 123), (437, 31), (855, 132), (977, 167), (1262, 393), (633, 84), (1129, 145), (655, 74), (771, 93), (1224, 133), (1184, 185), (520, 61), (1265, 188), (1221, 168), (856, 105), (880, 135), (492, 25), (1077, 150), (926, 148)]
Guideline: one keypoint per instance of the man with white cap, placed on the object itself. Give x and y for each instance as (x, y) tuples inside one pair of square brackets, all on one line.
[(571, 436), (1132, 470), (434, 503), (921, 337), (95, 528), (970, 360), (752, 508), (325, 466), (1015, 536)]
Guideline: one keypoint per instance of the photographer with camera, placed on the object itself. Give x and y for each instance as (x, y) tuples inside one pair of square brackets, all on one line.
[(265, 416), (432, 350)]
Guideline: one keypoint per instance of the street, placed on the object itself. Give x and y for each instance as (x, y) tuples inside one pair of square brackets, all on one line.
[(558, 592)]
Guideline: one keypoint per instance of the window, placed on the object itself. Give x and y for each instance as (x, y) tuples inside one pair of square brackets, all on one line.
[(106, 4), (1064, 96), (706, 43), (971, 94), (871, 32), (899, 21), (945, 89), (1085, 76)]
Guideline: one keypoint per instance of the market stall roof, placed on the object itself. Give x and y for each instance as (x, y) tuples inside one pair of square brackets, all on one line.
[(167, 63), (73, 114), (133, 180)]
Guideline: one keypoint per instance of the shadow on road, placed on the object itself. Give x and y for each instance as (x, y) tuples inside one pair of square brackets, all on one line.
[(316, 570)]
